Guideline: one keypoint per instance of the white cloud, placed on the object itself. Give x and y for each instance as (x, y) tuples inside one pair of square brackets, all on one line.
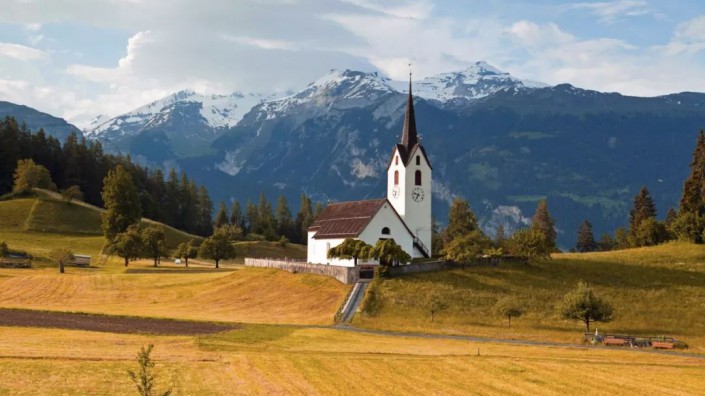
[(611, 11), (688, 38), (21, 52)]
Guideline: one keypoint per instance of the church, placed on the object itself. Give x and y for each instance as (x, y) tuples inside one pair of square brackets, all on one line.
[(404, 215)]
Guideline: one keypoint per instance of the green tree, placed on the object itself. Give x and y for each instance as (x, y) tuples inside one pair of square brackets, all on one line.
[(529, 243), (128, 244), (543, 222), (71, 193), (692, 204), (586, 241), (29, 175), (582, 304), (649, 232), (304, 219), (204, 213), (606, 243), (467, 248), (433, 302), (236, 216), (500, 235), (62, 256), (221, 218), (621, 237), (217, 247), (643, 208), (185, 251), (437, 239), (509, 307), (154, 243), (461, 220), (122, 203), (350, 249), (285, 224), (267, 222), (389, 253), (253, 222), (144, 379)]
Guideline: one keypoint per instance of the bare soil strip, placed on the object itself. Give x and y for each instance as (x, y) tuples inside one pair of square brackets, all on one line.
[(107, 323)]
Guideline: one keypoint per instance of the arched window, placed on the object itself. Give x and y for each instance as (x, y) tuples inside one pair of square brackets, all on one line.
[(396, 178), (396, 160), (385, 231), (418, 160), (418, 178)]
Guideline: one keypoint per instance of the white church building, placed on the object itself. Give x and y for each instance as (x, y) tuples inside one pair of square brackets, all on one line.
[(404, 215)]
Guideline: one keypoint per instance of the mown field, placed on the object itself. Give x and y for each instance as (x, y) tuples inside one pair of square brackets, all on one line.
[(263, 359), (654, 291)]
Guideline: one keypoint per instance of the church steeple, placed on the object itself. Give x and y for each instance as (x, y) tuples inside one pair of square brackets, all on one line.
[(409, 137)]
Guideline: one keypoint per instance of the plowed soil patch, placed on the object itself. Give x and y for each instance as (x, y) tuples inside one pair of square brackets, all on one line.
[(107, 323)]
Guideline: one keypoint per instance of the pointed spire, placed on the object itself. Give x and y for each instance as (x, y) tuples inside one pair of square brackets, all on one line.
[(409, 137)]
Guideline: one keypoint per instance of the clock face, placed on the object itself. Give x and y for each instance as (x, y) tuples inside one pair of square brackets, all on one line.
[(395, 192), (417, 194)]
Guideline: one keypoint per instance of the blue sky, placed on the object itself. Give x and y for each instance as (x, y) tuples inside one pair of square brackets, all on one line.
[(80, 58)]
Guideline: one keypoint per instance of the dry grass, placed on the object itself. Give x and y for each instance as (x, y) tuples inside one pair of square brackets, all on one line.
[(284, 360), (655, 291), (240, 295)]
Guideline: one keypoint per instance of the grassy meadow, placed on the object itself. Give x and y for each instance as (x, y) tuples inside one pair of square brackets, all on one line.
[(655, 291), (265, 359)]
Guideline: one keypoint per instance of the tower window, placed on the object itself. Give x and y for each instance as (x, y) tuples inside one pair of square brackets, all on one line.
[(418, 178), (396, 160), (385, 231), (396, 178), (418, 160)]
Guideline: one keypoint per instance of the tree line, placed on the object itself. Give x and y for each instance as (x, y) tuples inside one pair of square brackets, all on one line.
[(79, 167)]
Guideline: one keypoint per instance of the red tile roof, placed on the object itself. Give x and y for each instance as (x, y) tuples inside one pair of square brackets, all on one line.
[(345, 219)]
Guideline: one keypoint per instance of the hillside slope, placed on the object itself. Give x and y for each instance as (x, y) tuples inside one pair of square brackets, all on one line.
[(655, 291)]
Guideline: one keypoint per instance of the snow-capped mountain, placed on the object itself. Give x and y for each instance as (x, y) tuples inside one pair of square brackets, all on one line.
[(179, 125), (339, 89), (477, 81)]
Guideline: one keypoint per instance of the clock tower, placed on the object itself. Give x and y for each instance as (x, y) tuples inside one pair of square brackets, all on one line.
[(409, 182)]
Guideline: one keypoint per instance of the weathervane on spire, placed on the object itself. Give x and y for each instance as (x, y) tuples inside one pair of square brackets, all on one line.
[(410, 70)]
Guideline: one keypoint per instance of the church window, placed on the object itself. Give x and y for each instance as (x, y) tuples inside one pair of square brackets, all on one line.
[(396, 160), (418, 177), (396, 178), (385, 231), (418, 160)]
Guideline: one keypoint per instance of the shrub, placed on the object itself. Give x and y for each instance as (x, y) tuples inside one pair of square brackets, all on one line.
[(3, 249), (255, 237)]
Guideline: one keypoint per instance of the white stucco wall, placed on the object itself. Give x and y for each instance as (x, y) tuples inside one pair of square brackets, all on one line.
[(385, 217), (417, 215)]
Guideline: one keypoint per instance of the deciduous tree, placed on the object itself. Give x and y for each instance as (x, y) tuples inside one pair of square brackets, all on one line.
[(62, 256), (128, 244), (122, 203), (582, 304), (154, 243), (71, 193), (467, 248), (350, 249), (529, 243), (389, 253), (217, 247), (185, 251), (509, 307), (29, 175)]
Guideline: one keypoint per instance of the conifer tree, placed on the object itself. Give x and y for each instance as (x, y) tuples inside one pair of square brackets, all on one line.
[(642, 209), (543, 222), (253, 223), (670, 217), (285, 224), (236, 217), (267, 222), (304, 219), (500, 235), (221, 218), (692, 200), (586, 241), (122, 204), (205, 212), (461, 220)]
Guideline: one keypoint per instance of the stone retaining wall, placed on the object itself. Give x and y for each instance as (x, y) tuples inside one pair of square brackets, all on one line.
[(347, 275), (419, 267)]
